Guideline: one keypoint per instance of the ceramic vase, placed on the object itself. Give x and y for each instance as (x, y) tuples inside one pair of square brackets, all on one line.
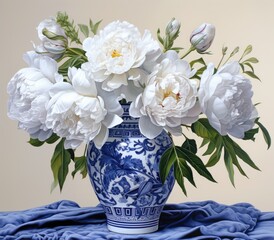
[(125, 176)]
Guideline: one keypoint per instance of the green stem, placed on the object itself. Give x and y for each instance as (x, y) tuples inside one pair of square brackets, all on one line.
[(191, 49), (85, 150), (220, 61)]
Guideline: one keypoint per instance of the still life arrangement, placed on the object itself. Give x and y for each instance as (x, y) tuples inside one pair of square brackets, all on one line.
[(124, 95)]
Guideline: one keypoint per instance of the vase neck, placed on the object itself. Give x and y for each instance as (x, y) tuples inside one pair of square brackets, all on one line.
[(128, 128)]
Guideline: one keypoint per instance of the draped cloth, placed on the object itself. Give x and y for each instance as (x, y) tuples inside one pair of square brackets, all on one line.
[(66, 220)]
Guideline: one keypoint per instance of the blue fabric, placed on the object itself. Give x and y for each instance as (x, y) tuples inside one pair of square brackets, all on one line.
[(65, 220)]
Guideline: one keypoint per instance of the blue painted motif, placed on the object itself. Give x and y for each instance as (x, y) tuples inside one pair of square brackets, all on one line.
[(125, 175)]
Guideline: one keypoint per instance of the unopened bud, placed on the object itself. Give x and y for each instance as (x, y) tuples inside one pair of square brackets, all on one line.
[(202, 37), (173, 28), (53, 37)]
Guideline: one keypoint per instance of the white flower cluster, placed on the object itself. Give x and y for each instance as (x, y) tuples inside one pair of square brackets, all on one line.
[(121, 63)]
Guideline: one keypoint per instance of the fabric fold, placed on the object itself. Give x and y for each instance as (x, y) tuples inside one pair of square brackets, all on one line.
[(66, 220)]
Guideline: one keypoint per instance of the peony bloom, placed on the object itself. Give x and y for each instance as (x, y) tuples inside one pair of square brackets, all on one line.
[(169, 98), (202, 37), (54, 48), (77, 113), (29, 94), (116, 55), (225, 98)]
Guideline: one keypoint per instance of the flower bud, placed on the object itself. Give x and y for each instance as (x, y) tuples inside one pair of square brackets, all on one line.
[(173, 28), (53, 37), (202, 37)]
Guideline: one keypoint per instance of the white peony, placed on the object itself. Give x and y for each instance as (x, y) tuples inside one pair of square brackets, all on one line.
[(169, 98), (52, 47), (225, 98), (29, 94), (77, 113), (117, 54)]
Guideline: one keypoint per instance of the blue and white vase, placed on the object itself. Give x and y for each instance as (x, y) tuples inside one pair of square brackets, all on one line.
[(125, 176)]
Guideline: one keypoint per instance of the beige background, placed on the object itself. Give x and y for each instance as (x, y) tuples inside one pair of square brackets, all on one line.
[(25, 175)]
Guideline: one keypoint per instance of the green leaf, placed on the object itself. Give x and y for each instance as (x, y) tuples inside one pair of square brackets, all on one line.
[(230, 148), (229, 157), (80, 165), (236, 50), (224, 50), (247, 51), (71, 153), (243, 155), (74, 61), (250, 66), (252, 74), (199, 60), (84, 29), (195, 162), (68, 26), (59, 165), (161, 40), (203, 129), (205, 142), (250, 134), (74, 52), (186, 170), (214, 158), (52, 139), (190, 145), (210, 149), (201, 70), (166, 162), (178, 174), (229, 166), (94, 27), (177, 49), (53, 36), (237, 164), (266, 135), (35, 142), (251, 60), (242, 67), (167, 43)]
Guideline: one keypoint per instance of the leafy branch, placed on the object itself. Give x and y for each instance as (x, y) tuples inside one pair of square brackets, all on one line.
[(180, 158)]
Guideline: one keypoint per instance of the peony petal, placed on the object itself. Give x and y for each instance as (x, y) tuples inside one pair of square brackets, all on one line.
[(232, 68), (72, 143), (135, 106), (176, 131), (101, 138), (48, 67), (81, 84), (65, 101), (112, 120), (149, 94), (60, 87), (129, 92), (114, 82), (148, 129), (111, 101), (29, 58), (87, 103)]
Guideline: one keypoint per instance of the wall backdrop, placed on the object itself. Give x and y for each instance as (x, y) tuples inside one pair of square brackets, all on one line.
[(25, 174)]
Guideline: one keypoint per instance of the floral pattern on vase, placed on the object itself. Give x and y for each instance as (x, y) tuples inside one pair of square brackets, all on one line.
[(125, 176)]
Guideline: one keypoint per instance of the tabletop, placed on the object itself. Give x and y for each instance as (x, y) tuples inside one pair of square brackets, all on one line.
[(192, 220)]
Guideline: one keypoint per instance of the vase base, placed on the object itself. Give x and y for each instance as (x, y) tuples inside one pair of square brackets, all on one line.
[(132, 230), (133, 227)]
